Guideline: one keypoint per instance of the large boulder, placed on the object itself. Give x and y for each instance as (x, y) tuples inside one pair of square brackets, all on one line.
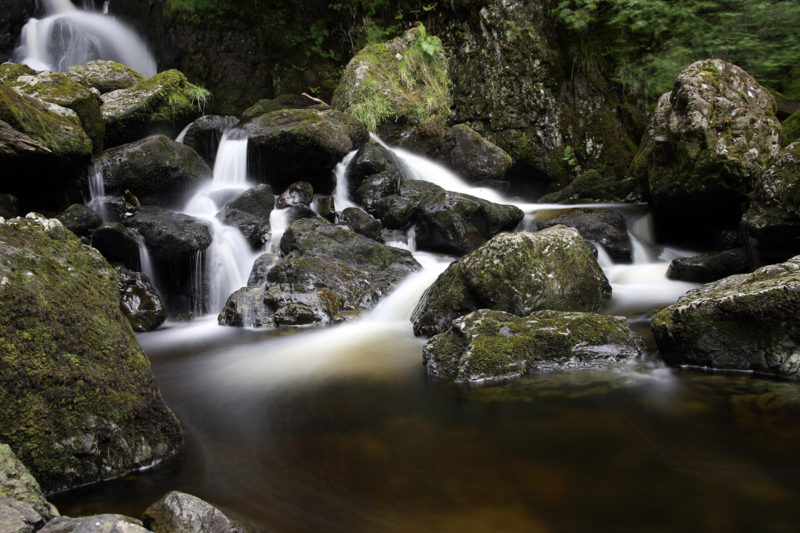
[(774, 215), (472, 157), (104, 75), (249, 212), (709, 139), (158, 170), (178, 512), (742, 322), (78, 402), (605, 227), (488, 345), (517, 273), (170, 237), (204, 134), (140, 300), (300, 144), (23, 507), (164, 103), (371, 159)]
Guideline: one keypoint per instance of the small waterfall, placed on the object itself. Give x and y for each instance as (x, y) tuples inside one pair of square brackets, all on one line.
[(68, 36), (341, 193), (278, 222), (97, 191), (146, 264)]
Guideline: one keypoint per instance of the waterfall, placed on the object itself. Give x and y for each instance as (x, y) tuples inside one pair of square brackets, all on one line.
[(68, 36), (341, 193), (278, 222), (97, 191)]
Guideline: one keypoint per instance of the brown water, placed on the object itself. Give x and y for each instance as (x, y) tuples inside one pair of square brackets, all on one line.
[(381, 447)]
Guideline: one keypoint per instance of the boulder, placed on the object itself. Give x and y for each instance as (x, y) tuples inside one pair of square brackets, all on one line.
[(773, 218), (203, 135), (80, 219), (304, 144), (371, 159), (517, 273), (101, 523), (711, 266), (170, 237), (158, 170), (474, 158), (118, 244), (250, 213), (707, 142), (742, 322), (300, 193), (104, 75), (164, 103), (488, 345), (140, 300), (282, 101), (21, 500), (258, 274), (605, 227), (78, 402), (372, 191), (178, 512), (362, 223)]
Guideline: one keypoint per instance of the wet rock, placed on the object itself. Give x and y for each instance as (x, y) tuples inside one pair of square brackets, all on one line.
[(282, 101), (258, 274), (517, 273), (23, 507), (80, 219), (325, 207), (69, 357), (710, 267), (140, 300), (742, 322), (372, 191), (296, 194), (472, 157), (294, 314), (179, 512), (156, 169), (105, 76), (118, 244), (203, 135), (101, 523), (371, 159), (593, 186), (490, 345), (170, 236), (362, 223), (250, 213), (707, 142), (603, 226)]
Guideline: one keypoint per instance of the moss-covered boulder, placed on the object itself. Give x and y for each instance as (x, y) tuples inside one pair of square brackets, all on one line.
[(156, 169), (400, 88), (605, 227), (472, 157), (140, 300), (104, 75), (80, 219), (710, 266), (204, 134), (774, 214), (164, 103), (488, 345), (249, 212), (517, 273), (300, 144), (78, 402), (742, 322), (707, 142), (22, 504)]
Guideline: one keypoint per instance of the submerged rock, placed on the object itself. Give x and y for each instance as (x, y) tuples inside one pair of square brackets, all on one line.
[(488, 345), (140, 300), (249, 212), (742, 322), (710, 267), (605, 227), (204, 134), (517, 273), (180, 512), (78, 402), (105, 76)]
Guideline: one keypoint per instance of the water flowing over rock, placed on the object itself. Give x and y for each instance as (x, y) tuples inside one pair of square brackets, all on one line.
[(488, 345), (517, 273), (179, 512), (250, 213), (711, 266), (71, 360), (708, 141), (605, 227), (204, 134), (140, 300), (104, 75), (742, 322), (22, 505), (156, 169)]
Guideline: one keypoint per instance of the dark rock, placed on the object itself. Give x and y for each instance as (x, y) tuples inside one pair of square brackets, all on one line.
[(140, 300), (105, 76), (258, 274), (475, 159), (203, 135), (710, 267), (603, 226), (101, 523), (377, 188), (250, 213), (114, 208), (325, 207), (13, 16), (296, 194), (593, 186), (517, 273), (80, 219), (69, 357), (490, 345), (156, 169), (299, 212), (181, 512), (169, 236), (362, 223), (371, 159), (742, 322), (118, 244), (8, 206), (282, 101), (294, 314)]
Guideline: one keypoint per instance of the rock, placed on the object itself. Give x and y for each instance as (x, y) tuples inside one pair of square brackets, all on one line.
[(517, 273), (178, 512), (371, 159), (593, 186), (101, 523), (69, 357), (158, 170), (8, 206), (80, 219), (490, 345), (707, 142), (250, 213), (475, 159), (325, 207), (292, 145), (258, 274), (203, 135), (300, 193), (709, 267), (20, 493), (13, 16), (18, 517), (164, 103), (605, 227), (118, 244), (294, 314), (742, 322), (170, 237), (382, 187), (282, 101), (362, 223), (774, 215), (140, 300), (105, 76), (791, 129)]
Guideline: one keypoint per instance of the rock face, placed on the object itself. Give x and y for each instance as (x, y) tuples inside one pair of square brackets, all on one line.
[(327, 275), (22, 505), (517, 273), (710, 267), (79, 402), (140, 300), (606, 227), (742, 322), (707, 142), (158, 170), (105, 76), (169, 236), (203, 135), (300, 144), (179, 512), (472, 157), (490, 345), (774, 215), (250, 213)]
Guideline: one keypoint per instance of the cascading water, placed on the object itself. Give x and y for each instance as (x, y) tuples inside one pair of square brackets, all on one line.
[(68, 36), (341, 194)]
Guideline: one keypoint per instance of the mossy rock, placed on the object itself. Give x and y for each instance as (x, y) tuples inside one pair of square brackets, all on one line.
[(791, 129), (104, 75), (605, 227), (282, 101), (79, 402), (18, 485), (593, 186), (742, 322), (488, 345), (472, 157)]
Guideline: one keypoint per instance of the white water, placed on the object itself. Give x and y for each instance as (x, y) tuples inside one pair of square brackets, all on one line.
[(68, 36), (278, 222), (341, 195)]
